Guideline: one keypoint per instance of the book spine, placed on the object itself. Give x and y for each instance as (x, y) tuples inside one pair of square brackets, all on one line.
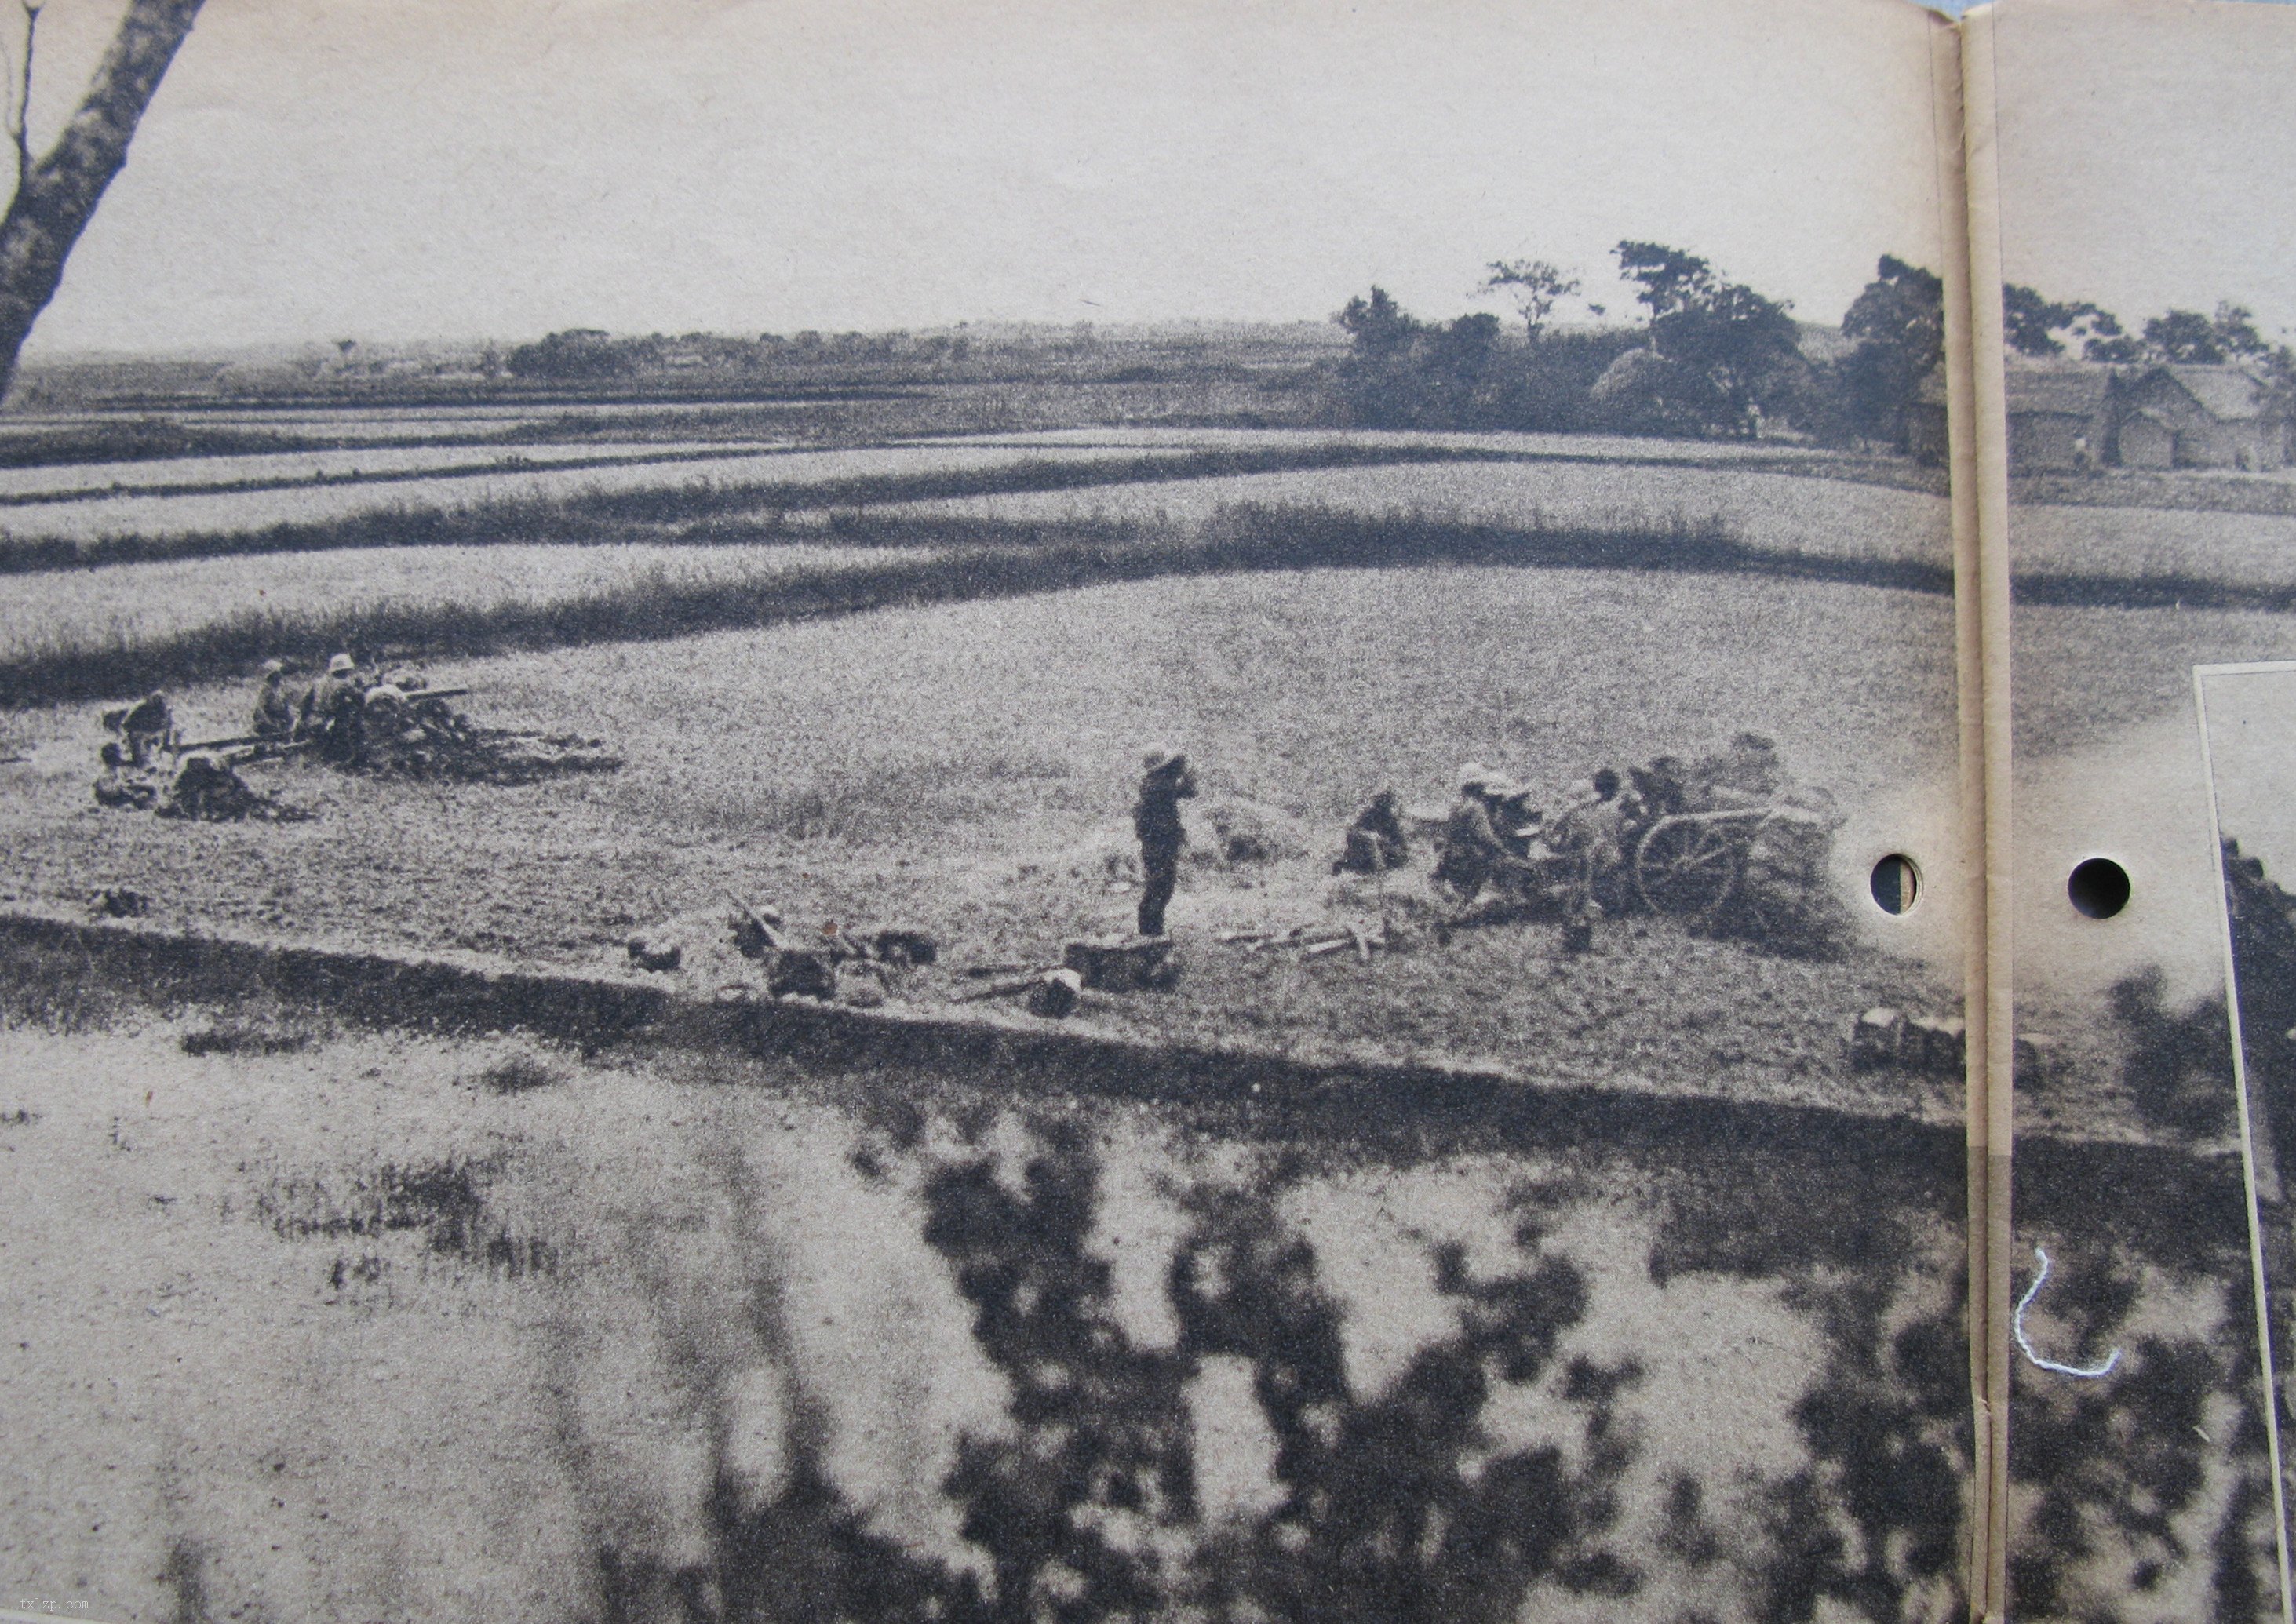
[(1981, 435)]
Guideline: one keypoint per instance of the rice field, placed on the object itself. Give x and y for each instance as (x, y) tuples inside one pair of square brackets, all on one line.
[(1573, 446), (99, 518), (2256, 550), (21, 487), (1775, 513), (142, 604), (968, 769)]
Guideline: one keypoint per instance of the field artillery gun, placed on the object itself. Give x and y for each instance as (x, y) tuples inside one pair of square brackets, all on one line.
[(409, 727), (1758, 871)]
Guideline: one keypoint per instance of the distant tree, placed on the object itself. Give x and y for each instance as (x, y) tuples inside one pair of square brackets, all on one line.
[(2236, 333), (2188, 337), (1535, 287), (56, 194), (2182, 336), (576, 355), (1406, 373), (1379, 325), (1726, 353), (1898, 324), (2036, 325)]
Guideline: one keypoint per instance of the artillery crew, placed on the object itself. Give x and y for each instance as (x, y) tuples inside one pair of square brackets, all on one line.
[(1470, 854), (123, 785), (144, 729), (1595, 833), (275, 712), (334, 711), (1376, 841), (1164, 782), (206, 788)]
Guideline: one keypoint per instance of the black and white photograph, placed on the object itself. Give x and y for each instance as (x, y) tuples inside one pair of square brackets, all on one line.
[(2149, 304), (1051, 812)]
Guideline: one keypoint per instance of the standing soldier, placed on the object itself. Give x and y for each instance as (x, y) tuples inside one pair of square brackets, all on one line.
[(1164, 783), (275, 712), (1594, 834)]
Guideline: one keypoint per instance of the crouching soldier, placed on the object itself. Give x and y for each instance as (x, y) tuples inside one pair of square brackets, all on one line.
[(206, 788), (274, 720), (1164, 783), (121, 785), (145, 729), (1469, 853), (1376, 841), (334, 712)]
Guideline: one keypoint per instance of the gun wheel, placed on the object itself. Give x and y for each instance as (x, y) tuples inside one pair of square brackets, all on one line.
[(1687, 867)]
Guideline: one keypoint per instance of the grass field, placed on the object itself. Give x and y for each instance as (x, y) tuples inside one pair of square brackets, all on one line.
[(2254, 551), (668, 1305), (296, 593), (392, 1327), (907, 759), (101, 523), (74, 481), (917, 765), (1773, 512)]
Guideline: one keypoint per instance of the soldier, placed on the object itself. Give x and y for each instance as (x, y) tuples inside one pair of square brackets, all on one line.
[(1745, 775), (146, 727), (1164, 782), (1594, 832), (122, 785), (275, 712), (1376, 841), (206, 787), (1469, 853), (334, 713)]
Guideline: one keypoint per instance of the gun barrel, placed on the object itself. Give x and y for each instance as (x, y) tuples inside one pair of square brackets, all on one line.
[(184, 747)]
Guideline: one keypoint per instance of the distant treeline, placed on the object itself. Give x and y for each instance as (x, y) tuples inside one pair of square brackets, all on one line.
[(1711, 357)]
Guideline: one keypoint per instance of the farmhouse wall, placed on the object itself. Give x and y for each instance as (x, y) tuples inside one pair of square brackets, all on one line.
[(2145, 441), (2051, 442), (2213, 416), (2059, 416)]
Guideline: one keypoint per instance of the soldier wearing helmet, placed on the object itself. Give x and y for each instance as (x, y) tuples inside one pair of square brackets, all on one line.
[(334, 711), (146, 727), (275, 712), (1469, 851)]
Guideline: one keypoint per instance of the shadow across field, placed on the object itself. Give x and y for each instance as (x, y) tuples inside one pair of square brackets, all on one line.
[(930, 560), (2149, 590)]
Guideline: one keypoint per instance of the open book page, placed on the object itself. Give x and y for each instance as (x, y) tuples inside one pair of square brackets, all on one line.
[(2150, 528), (947, 910)]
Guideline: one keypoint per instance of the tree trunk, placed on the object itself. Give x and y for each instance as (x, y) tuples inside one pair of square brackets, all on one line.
[(59, 194)]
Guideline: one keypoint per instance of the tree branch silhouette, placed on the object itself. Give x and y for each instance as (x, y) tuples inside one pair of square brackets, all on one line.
[(56, 194)]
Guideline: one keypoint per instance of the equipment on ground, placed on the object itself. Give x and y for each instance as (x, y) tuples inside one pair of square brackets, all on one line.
[(1121, 964)]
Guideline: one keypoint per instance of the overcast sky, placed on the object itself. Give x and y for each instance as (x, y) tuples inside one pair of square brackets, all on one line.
[(2144, 154), (396, 168)]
